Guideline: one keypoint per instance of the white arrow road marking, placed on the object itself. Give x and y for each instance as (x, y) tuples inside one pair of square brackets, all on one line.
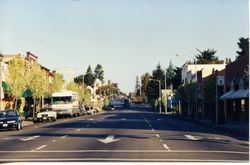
[(193, 137), (109, 139), (30, 138)]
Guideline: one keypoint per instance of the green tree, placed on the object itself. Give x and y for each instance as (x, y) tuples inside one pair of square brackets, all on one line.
[(16, 78), (36, 83), (79, 79), (99, 73), (243, 45), (153, 86), (170, 73), (56, 84), (207, 57), (144, 86), (89, 77), (177, 77), (137, 86)]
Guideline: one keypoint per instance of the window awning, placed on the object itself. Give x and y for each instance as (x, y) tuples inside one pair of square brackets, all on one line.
[(241, 93), (226, 95)]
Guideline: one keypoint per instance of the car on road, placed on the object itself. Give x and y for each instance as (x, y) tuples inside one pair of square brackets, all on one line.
[(46, 114), (10, 119)]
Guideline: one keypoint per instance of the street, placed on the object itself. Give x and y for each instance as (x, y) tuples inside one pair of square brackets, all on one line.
[(132, 134)]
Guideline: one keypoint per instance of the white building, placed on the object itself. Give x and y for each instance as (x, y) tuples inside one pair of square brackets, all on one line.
[(189, 70)]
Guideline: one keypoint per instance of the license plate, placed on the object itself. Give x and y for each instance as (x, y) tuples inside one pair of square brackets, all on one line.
[(5, 125), (44, 118)]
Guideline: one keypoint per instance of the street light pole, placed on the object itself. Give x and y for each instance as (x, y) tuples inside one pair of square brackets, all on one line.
[(159, 92)]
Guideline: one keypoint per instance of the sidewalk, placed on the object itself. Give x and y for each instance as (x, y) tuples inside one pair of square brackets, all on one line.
[(240, 129)]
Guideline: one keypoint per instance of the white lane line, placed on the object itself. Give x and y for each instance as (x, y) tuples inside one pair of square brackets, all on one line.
[(193, 137), (78, 130), (125, 160), (38, 148), (29, 138), (64, 136), (91, 119), (157, 135), (130, 151), (166, 147), (53, 141)]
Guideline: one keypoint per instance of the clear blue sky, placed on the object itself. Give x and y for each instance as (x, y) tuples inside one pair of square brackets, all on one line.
[(127, 37)]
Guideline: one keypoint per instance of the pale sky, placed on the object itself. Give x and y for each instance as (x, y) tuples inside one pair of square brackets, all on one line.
[(127, 37)]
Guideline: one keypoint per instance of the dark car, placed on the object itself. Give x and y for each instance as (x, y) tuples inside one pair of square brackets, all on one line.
[(10, 119)]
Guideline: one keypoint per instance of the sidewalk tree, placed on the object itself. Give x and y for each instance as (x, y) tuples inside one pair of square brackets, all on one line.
[(16, 79), (36, 82), (99, 73), (57, 83), (243, 45), (76, 88), (145, 78)]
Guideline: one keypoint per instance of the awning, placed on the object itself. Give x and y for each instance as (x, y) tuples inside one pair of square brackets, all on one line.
[(235, 94), (226, 95), (241, 93)]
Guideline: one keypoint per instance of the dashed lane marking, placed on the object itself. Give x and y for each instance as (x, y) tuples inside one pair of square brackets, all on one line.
[(166, 147), (53, 141), (38, 148), (64, 136), (78, 130), (157, 135)]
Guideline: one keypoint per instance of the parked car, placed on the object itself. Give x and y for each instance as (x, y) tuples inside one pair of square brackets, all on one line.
[(46, 114), (10, 119), (109, 108)]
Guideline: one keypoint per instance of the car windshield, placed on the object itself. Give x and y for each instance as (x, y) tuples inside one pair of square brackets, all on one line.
[(62, 100), (44, 110), (9, 113)]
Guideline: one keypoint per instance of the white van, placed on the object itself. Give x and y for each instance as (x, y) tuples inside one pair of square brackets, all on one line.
[(65, 103)]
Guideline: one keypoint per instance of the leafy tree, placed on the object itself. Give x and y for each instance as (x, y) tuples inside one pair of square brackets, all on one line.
[(144, 85), (243, 45), (16, 78), (79, 79), (99, 73), (207, 57), (36, 79), (56, 84), (89, 77)]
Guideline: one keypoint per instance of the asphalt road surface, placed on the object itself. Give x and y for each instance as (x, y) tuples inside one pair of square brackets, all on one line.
[(132, 134)]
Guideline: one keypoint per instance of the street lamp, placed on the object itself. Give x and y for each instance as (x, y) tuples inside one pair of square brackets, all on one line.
[(195, 90), (159, 92)]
